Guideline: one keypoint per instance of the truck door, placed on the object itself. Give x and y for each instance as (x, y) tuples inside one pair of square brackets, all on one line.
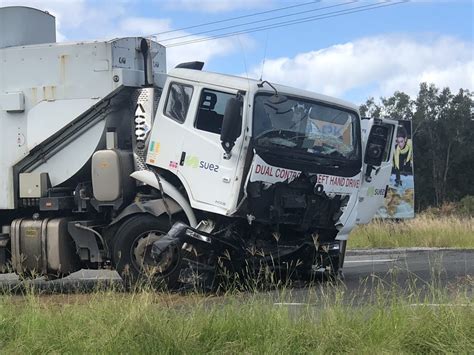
[(203, 166), (185, 140), (166, 138), (373, 190)]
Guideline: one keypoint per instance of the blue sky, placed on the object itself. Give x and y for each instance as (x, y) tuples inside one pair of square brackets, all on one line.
[(354, 56)]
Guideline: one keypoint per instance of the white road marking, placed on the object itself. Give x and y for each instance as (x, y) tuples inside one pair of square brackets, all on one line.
[(370, 261), (397, 250)]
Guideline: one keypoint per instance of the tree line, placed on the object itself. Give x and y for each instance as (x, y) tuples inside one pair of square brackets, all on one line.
[(443, 140)]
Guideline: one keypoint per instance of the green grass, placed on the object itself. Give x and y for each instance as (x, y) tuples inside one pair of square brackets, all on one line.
[(147, 322), (423, 231)]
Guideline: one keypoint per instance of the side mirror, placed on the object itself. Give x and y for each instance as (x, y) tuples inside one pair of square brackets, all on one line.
[(377, 144), (232, 123), (278, 99)]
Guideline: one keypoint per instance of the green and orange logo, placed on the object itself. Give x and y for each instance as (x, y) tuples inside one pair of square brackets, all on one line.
[(155, 147)]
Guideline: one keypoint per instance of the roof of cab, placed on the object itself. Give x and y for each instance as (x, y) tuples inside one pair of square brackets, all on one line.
[(244, 84)]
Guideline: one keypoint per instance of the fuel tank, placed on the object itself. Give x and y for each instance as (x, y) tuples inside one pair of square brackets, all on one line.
[(43, 247)]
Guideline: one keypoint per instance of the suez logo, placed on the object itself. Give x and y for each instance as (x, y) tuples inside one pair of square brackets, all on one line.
[(194, 162), (191, 161), (372, 191)]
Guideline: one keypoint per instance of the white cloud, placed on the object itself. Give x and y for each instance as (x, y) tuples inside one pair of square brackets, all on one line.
[(107, 19), (79, 17), (388, 63), (214, 6), (203, 51), (60, 9)]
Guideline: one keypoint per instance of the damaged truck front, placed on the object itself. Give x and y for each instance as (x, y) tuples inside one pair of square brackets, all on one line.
[(302, 179)]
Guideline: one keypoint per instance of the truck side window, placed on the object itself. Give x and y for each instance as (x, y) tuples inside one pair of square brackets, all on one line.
[(177, 103), (211, 110)]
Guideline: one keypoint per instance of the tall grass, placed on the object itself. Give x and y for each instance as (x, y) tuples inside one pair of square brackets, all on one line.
[(391, 319), (147, 322), (424, 231)]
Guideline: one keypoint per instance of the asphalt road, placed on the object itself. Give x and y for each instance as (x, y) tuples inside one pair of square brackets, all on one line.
[(405, 266), (406, 270), (372, 276)]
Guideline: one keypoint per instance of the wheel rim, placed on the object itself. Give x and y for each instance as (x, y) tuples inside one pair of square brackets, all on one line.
[(140, 255)]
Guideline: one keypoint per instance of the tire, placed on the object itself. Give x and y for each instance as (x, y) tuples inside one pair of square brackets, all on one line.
[(134, 235)]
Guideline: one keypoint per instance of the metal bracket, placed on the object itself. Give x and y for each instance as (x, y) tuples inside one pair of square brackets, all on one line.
[(85, 240)]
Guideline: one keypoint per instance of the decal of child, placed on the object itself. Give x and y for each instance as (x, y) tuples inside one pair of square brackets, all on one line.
[(403, 156)]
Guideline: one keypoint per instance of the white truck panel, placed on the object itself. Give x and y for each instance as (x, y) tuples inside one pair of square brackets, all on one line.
[(57, 83), (12, 102), (48, 117), (67, 161), (372, 191)]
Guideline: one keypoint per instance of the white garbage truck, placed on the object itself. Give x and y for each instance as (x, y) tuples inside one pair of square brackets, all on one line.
[(108, 160)]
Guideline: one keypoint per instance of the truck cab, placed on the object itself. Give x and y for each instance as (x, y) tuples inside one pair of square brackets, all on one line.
[(292, 166), (284, 136)]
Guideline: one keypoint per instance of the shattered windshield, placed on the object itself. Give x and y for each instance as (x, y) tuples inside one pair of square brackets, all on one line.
[(305, 126)]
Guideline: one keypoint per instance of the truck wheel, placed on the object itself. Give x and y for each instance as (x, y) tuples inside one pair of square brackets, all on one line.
[(132, 258)]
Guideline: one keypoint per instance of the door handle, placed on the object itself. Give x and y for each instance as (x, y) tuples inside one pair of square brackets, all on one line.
[(183, 158)]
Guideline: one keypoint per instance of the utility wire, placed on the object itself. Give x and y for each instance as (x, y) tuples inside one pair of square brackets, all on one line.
[(292, 22), (238, 17), (258, 21)]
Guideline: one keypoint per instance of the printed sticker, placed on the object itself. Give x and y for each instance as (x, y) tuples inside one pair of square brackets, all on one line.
[(194, 162), (173, 164), (338, 184), (261, 171), (155, 147)]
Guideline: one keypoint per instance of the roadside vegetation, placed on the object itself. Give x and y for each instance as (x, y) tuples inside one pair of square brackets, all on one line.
[(419, 318), (149, 322), (450, 226)]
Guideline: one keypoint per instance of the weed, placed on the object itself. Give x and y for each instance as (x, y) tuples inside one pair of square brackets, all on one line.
[(328, 320), (424, 231)]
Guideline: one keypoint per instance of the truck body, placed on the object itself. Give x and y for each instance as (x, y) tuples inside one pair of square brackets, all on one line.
[(108, 159)]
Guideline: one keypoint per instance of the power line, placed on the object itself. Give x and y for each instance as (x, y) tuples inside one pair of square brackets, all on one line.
[(258, 21), (238, 17), (289, 23), (292, 22)]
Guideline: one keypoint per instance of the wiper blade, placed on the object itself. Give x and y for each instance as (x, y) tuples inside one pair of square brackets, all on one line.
[(336, 153)]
